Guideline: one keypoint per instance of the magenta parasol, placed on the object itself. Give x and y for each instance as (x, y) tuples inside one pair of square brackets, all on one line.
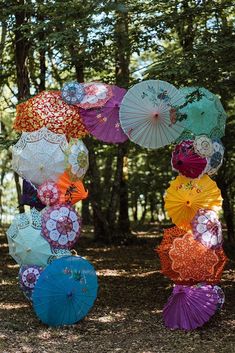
[(103, 122)]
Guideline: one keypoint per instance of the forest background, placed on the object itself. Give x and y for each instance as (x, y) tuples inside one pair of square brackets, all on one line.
[(46, 43)]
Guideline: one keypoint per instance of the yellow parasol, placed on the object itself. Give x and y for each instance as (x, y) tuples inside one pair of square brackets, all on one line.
[(186, 196)]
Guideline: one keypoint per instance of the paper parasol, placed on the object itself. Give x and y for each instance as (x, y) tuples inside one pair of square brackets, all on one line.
[(47, 109), (49, 193), (65, 291), (185, 196), (72, 92), (96, 95), (39, 156), (148, 113), (186, 161), (190, 307), (70, 191), (203, 146), (207, 229), (205, 115), (103, 122), (77, 161), (61, 226)]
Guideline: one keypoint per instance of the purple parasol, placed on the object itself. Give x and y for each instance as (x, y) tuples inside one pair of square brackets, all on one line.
[(30, 197), (103, 122), (190, 307), (28, 276)]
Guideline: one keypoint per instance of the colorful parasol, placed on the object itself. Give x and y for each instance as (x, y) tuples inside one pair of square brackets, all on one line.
[(190, 307), (72, 92), (29, 196), (47, 109), (28, 276), (96, 95), (77, 161), (185, 196), (205, 115), (39, 156), (192, 260), (148, 113), (203, 146), (220, 295), (48, 193), (103, 122), (216, 159), (186, 161), (61, 226), (70, 192), (26, 245), (207, 228), (65, 291)]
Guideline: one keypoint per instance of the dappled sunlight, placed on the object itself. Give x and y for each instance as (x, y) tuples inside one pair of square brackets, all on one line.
[(7, 306), (111, 317)]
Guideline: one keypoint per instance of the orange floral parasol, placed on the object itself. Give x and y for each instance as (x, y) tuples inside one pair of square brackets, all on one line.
[(186, 196), (47, 109), (70, 191), (186, 261)]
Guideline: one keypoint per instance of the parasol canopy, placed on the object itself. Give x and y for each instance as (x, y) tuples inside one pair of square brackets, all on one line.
[(65, 291), (207, 228), (190, 262), (26, 245), (39, 156), (96, 95), (103, 122), (47, 109), (77, 161), (203, 146), (29, 196), (70, 191), (48, 193), (186, 161), (190, 307), (205, 114), (215, 161), (61, 226), (28, 276), (185, 196), (148, 113), (72, 92)]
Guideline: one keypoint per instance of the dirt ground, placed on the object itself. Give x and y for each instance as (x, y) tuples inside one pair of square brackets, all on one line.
[(126, 317)]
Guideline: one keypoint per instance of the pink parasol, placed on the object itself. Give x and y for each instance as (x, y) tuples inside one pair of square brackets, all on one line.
[(48, 193), (96, 95), (186, 161), (103, 122), (61, 226), (207, 228)]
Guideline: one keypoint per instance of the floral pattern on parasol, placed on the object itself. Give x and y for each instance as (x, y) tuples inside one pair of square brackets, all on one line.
[(203, 146), (73, 92), (77, 161), (207, 228), (192, 260), (96, 95), (61, 226), (70, 191), (28, 276), (216, 159), (48, 193), (47, 109)]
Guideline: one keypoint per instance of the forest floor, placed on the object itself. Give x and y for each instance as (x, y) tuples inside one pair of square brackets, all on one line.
[(127, 316)]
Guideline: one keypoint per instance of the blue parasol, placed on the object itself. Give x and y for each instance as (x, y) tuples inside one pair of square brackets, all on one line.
[(65, 291)]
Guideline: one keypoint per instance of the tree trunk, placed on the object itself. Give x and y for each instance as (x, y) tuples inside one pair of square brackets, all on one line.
[(122, 74), (86, 216)]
